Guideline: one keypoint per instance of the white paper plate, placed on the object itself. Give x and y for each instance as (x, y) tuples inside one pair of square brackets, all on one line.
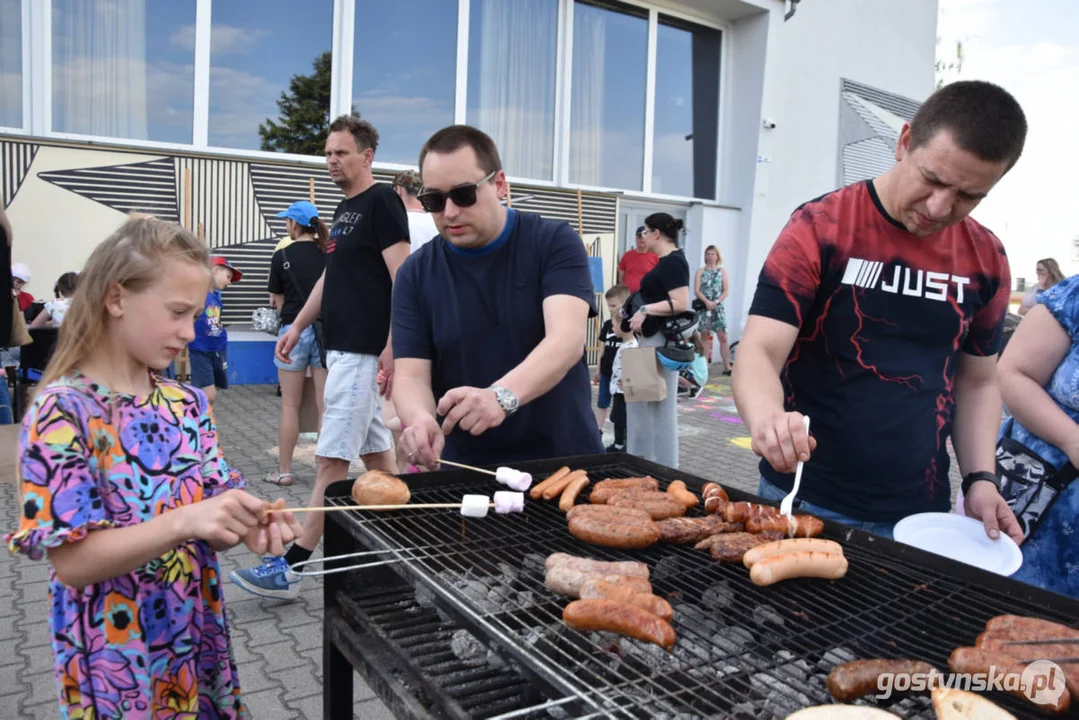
[(960, 538)]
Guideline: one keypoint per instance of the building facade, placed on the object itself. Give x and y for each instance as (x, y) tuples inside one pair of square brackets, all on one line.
[(726, 113)]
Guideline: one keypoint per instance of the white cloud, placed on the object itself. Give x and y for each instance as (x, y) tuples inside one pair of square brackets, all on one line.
[(224, 39)]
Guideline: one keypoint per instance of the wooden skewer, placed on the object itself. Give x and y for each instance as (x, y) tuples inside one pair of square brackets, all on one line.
[(468, 467), (406, 506)]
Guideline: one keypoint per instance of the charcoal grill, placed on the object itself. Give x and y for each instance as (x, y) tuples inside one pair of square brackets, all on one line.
[(742, 651)]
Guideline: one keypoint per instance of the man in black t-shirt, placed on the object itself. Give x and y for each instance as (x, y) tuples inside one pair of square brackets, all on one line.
[(489, 321), (368, 242)]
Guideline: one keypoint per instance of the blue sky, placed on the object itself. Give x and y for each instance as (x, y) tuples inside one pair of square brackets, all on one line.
[(1031, 48)]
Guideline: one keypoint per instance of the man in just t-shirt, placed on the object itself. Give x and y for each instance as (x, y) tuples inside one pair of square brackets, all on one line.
[(878, 315), (368, 242), (636, 263), (489, 321), (421, 228)]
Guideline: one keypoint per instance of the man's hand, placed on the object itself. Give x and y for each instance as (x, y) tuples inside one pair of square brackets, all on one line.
[(422, 442), (595, 378), (285, 343), (782, 440), (474, 410), (385, 372), (983, 502)]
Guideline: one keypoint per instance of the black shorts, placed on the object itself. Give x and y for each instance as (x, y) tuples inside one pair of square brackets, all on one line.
[(209, 368)]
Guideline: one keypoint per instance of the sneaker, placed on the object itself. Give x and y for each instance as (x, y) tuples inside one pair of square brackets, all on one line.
[(616, 448), (271, 579), (696, 393)]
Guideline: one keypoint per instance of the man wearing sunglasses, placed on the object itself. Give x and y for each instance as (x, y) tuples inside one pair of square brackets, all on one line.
[(489, 321), (368, 242)]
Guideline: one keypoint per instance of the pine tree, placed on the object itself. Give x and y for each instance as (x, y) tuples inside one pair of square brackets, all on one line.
[(304, 122)]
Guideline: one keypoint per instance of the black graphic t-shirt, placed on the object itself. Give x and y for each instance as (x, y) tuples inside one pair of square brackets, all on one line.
[(305, 265), (883, 316), (610, 347), (357, 291)]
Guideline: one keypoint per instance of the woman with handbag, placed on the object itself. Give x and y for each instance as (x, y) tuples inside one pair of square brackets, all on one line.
[(711, 287), (652, 427), (294, 270), (1038, 451)]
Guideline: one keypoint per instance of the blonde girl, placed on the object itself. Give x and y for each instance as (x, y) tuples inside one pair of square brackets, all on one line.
[(125, 488)]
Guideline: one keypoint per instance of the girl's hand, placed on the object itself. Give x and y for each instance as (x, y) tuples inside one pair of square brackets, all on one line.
[(277, 530), (223, 520)]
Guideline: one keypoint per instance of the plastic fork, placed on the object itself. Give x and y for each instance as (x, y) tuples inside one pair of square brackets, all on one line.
[(787, 506)]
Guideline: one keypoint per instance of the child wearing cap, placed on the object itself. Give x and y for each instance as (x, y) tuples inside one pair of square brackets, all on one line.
[(208, 352)]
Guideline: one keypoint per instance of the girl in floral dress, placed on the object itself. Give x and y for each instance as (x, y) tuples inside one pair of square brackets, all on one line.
[(124, 486), (711, 288)]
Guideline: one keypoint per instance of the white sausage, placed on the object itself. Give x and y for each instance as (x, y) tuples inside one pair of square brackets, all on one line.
[(801, 563), (789, 545)]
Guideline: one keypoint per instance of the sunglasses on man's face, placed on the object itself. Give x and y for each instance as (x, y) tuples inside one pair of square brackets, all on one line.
[(434, 201)]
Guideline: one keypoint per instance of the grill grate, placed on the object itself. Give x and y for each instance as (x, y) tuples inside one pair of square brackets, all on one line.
[(742, 651)]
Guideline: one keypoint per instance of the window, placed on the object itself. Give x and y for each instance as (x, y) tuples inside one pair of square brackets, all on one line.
[(511, 81), (610, 64), (687, 109), (123, 68), (404, 72), (256, 48), (11, 63)]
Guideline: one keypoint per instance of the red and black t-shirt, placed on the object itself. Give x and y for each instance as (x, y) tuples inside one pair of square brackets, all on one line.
[(883, 316)]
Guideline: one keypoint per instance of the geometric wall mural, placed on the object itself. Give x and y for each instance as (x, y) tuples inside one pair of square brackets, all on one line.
[(870, 121), (233, 203), (15, 160)]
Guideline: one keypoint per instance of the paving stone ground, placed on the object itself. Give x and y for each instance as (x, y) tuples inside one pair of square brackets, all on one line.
[(279, 645)]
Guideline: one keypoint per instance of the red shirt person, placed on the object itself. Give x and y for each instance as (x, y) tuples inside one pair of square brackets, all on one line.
[(635, 264)]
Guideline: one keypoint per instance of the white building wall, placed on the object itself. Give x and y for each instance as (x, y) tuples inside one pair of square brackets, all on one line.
[(889, 45)]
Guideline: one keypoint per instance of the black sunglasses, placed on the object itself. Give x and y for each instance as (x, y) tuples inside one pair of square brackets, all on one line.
[(434, 201)]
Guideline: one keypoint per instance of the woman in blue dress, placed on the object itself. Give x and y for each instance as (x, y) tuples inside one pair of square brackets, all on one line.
[(1039, 381)]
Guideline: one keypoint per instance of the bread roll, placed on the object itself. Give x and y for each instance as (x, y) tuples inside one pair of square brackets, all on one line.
[(377, 487)]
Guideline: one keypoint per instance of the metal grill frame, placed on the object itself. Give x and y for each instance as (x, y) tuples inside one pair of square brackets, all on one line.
[(956, 586)]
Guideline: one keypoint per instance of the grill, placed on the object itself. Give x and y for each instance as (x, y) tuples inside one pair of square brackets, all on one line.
[(458, 623)]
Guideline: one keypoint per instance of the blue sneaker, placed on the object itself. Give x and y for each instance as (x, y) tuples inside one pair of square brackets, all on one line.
[(271, 579)]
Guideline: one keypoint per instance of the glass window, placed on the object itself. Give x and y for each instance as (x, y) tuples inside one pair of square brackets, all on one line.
[(511, 81), (123, 68), (404, 73), (686, 138), (258, 49), (610, 64), (11, 63)]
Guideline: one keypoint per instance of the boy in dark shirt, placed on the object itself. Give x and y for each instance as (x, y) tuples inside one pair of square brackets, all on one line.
[(615, 296)]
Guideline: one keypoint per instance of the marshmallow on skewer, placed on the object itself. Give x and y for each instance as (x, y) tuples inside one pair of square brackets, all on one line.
[(514, 479), (475, 505), (509, 502)]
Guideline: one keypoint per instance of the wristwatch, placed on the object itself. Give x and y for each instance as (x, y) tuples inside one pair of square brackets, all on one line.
[(643, 310), (506, 399), (974, 477)]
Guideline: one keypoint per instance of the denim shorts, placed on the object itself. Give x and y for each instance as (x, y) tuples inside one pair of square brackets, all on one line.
[(304, 355), (209, 368), (352, 421), (604, 400), (768, 491)]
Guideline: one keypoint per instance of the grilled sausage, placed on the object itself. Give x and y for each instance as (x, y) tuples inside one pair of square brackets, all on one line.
[(1028, 628), (683, 530), (555, 489), (605, 488), (612, 616), (629, 532), (730, 547), (714, 490), (728, 530), (681, 493), (742, 511), (805, 526), (788, 545), (607, 512), (568, 581), (600, 589), (537, 490), (998, 642), (995, 663), (569, 494), (659, 505), (853, 680), (602, 567), (715, 505), (798, 564)]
